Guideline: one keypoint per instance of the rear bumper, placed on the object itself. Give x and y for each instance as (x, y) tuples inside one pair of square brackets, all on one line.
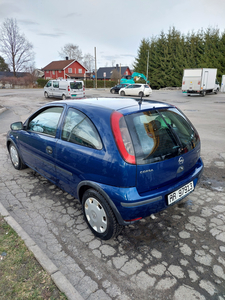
[(129, 205)]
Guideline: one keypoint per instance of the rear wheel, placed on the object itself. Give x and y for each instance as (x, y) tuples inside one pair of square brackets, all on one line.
[(141, 94), (63, 97), (113, 91), (122, 93), (99, 215), (15, 158)]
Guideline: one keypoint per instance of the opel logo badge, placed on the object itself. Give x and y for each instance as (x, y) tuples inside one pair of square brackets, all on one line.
[(181, 160)]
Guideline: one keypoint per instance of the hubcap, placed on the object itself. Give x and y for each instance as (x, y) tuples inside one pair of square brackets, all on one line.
[(14, 156), (95, 215)]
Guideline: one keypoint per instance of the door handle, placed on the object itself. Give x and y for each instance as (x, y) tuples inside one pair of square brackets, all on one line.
[(49, 149)]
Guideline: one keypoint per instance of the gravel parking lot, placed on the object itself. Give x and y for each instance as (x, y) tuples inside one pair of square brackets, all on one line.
[(177, 254)]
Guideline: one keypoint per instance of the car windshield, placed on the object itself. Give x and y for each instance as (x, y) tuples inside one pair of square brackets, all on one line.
[(161, 134)]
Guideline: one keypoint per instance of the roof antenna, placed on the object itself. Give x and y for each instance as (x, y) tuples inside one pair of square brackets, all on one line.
[(140, 101)]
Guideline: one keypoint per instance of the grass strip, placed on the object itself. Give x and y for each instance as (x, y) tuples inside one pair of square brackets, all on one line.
[(21, 276)]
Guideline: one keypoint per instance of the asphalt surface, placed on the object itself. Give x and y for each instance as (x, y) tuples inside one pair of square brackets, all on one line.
[(176, 254)]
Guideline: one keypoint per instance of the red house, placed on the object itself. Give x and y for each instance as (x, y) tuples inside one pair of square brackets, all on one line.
[(65, 69)]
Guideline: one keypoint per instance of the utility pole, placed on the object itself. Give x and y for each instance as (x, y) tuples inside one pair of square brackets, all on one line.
[(147, 68), (95, 70), (120, 73)]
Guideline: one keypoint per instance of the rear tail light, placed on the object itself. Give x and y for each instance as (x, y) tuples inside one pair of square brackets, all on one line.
[(122, 137), (68, 88), (199, 82), (183, 82)]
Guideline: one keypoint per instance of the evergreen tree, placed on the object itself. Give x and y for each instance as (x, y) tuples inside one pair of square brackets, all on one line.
[(3, 65), (140, 64), (170, 53)]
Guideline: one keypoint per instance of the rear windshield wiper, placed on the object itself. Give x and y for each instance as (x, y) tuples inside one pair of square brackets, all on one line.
[(175, 135)]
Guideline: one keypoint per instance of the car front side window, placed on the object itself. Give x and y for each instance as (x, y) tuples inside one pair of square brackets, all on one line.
[(46, 121), (79, 129), (49, 84)]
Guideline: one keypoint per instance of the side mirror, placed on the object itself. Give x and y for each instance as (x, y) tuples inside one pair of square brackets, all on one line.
[(16, 126)]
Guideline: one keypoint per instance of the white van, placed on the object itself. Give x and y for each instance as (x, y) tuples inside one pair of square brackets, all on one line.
[(64, 88)]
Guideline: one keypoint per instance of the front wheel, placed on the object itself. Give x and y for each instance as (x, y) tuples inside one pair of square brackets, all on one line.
[(99, 215), (122, 93), (46, 95), (15, 158)]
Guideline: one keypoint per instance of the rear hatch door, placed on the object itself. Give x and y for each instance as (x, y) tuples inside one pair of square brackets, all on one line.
[(166, 145)]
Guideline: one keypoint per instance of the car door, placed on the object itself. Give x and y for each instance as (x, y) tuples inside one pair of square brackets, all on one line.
[(137, 89), (129, 90), (48, 88), (38, 141), (79, 151), (55, 89)]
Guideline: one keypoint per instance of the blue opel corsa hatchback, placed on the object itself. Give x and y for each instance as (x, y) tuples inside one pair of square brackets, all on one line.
[(123, 159)]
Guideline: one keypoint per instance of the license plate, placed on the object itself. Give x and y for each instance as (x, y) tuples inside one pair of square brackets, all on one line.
[(73, 95), (179, 194)]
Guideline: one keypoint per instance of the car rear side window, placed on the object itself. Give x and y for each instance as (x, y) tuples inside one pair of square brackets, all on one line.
[(79, 129), (46, 122), (160, 135)]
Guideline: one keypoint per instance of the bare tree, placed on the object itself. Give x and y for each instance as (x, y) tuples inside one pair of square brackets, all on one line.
[(14, 46), (71, 51), (115, 75), (88, 62)]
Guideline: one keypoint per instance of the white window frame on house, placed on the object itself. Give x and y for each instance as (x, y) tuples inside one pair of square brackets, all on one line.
[(126, 72), (53, 72), (70, 70), (60, 71), (80, 71)]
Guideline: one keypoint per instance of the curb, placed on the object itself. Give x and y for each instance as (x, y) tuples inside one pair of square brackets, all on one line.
[(59, 279)]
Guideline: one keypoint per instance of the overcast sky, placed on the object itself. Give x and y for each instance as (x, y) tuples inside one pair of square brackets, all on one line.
[(114, 27)]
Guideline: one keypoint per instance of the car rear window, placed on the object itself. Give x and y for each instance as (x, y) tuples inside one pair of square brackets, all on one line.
[(76, 85), (158, 135)]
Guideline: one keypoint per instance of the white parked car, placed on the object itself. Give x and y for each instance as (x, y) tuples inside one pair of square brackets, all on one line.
[(136, 89)]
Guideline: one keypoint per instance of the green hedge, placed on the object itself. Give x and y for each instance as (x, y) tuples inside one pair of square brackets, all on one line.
[(42, 82), (88, 83), (100, 83)]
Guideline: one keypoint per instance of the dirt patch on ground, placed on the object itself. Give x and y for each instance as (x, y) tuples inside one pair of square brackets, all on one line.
[(213, 178)]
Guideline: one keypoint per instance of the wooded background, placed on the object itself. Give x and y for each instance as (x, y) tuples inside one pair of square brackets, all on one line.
[(170, 53)]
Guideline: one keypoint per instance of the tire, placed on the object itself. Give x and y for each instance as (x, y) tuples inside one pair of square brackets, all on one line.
[(99, 215), (141, 94), (122, 93), (63, 97), (203, 93), (113, 91), (46, 95), (15, 158)]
